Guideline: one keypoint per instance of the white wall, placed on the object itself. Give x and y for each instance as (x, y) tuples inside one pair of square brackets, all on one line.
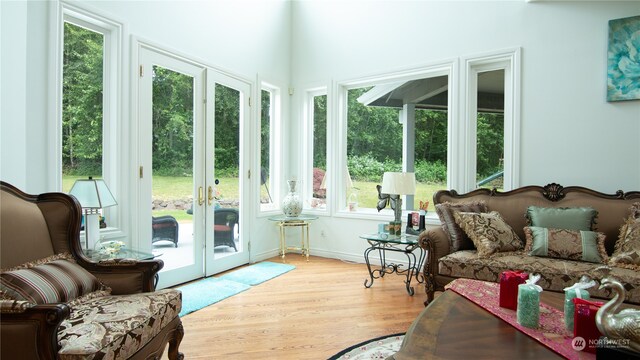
[(247, 38), (569, 133)]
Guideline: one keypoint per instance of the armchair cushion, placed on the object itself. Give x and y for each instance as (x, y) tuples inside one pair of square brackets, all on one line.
[(116, 327), (51, 280)]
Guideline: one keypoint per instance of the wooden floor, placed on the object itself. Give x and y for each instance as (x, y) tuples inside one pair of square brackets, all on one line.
[(312, 312)]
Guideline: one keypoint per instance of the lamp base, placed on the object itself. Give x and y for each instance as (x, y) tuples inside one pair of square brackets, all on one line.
[(91, 230)]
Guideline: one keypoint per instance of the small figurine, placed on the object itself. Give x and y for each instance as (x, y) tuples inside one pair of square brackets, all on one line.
[(624, 324)]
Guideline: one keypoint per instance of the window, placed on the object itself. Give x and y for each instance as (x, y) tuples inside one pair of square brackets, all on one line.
[(316, 179), (269, 149), (398, 122), (407, 121), (492, 99), (490, 130), (89, 104)]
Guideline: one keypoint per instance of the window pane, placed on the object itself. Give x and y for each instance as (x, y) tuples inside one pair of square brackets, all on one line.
[(319, 151), (266, 115), (82, 113), (490, 150), (430, 155), (374, 145), (490, 130)]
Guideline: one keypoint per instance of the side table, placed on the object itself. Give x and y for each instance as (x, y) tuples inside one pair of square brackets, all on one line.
[(122, 253), (406, 244), (301, 221)]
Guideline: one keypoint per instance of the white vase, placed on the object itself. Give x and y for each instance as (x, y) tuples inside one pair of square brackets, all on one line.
[(291, 204)]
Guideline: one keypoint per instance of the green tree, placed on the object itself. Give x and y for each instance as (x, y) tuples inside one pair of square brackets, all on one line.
[(172, 122), (82, 101)]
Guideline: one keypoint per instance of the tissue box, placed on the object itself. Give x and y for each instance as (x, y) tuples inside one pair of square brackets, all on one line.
[(509, 281), (584, 322)]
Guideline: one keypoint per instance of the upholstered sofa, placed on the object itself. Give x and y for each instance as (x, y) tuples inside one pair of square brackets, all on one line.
[(55, 303), (444, 264)]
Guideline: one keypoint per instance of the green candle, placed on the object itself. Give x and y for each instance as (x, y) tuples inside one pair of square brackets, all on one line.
[(569, 306), (528, 312)]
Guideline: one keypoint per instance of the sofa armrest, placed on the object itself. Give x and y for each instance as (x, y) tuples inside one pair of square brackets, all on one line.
[(436, 243), (126, 276), (435, 240), (32, 331)]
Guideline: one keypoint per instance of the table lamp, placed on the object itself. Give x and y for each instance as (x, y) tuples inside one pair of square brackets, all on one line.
[(397, 184), (93, 195)]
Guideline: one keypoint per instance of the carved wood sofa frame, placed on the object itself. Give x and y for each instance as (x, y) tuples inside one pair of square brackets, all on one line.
[(552, 195)]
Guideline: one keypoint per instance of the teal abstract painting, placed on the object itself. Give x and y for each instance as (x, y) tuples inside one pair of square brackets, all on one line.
[(623, 59)]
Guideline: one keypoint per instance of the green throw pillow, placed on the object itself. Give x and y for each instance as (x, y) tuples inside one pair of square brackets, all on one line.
[(566, 244), (576, 218)]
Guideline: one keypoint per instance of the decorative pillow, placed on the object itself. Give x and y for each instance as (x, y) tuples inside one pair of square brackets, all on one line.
[(489, 232), (626, 252), (50, 280), (635, 210), (577, 218), (565, 244), (459, 240)]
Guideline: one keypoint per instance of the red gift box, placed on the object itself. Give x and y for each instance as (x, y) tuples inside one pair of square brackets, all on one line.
[(584, 322), (509, 281)]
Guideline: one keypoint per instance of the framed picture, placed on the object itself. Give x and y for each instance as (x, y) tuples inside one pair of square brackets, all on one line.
[(623, 59)]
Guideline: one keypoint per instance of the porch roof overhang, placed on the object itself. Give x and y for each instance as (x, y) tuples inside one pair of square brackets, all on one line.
[(432, 93)]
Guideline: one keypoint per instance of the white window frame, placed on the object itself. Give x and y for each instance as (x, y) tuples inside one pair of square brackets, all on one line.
[(306, 165), (275, 147), (448, 68), (509, 61), (112, 104)]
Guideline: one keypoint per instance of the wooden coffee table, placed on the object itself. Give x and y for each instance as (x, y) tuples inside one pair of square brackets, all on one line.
[(452, 327)]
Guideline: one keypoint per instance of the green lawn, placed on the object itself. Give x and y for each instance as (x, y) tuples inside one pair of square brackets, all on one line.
[(172, 188), (368, 195)]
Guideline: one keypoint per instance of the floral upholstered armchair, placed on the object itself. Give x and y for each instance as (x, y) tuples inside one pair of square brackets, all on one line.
[(57, 304)]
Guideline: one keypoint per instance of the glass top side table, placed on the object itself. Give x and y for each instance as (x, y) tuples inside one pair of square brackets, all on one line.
[(123, 253), (301, 221), (406, 244)]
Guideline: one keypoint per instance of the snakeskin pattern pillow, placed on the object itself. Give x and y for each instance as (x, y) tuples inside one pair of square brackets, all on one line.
[(565, 244), (626, 252), (458, 239), (489, 232)]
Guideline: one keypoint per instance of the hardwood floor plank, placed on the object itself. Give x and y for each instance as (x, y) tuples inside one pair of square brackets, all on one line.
[(312, 312)]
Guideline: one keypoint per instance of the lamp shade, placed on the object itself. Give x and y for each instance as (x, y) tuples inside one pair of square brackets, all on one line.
[(92, 193), (400, 183)]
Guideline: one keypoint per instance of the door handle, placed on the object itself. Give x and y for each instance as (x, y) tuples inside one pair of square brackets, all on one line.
[(200, 196), (210, 195)]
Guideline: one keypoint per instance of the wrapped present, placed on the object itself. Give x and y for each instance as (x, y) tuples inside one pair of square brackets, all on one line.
[(577, 290), (528, 311), (509, 281), (584, 322)]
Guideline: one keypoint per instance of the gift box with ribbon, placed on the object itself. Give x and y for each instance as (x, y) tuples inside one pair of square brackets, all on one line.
[(509, 281), (577, 290), (584, 322)]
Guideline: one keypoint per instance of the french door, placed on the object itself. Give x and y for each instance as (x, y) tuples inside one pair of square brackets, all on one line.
[(190, 189)]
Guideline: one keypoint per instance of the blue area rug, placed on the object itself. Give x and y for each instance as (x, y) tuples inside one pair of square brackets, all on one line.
[(207, 291), (258, 273)]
